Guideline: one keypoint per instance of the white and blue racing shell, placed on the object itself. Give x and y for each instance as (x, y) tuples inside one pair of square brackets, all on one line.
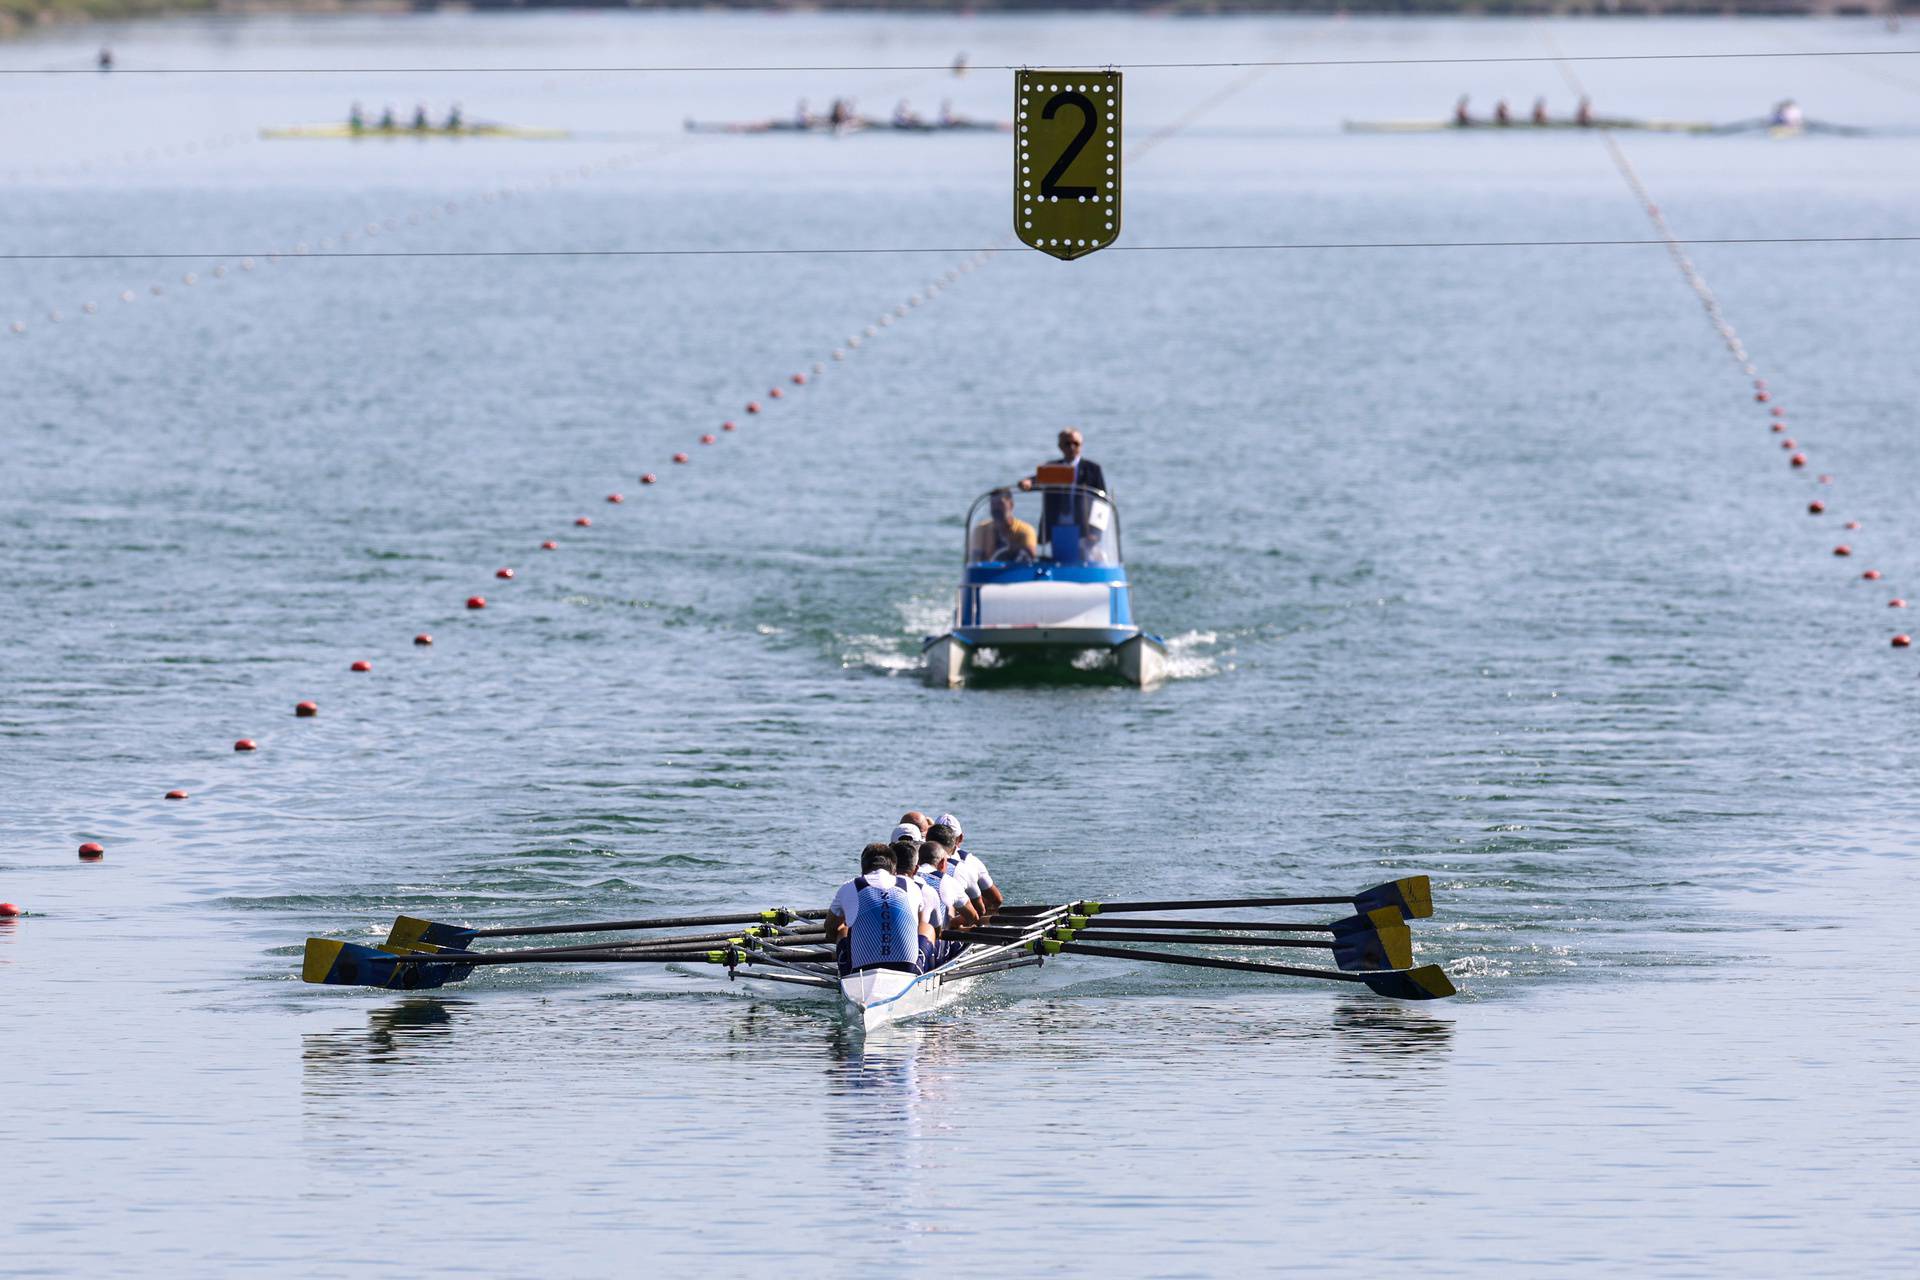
[(883, 915)]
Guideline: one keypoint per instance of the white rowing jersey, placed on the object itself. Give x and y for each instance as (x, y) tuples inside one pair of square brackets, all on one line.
[(883, 914), (943, 895), (970, 872)]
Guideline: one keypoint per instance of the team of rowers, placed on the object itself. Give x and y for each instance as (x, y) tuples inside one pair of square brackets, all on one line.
[(1785, 114), (912, 888), (842, 115), (390, 123)]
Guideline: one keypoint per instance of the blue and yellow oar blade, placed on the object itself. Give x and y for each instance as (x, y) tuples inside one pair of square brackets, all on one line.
[(348, 964), (1428, 982), (1385, 947), (411, 933), (1413, 896)]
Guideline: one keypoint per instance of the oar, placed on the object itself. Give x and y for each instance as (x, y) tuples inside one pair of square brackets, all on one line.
[(349, 964), (1413, 896), (412, 931), (1385, 948), (1381, 918), (1428, 982)]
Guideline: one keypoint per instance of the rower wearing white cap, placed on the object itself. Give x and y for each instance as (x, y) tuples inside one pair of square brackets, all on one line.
[(968, 869), (879, 920)]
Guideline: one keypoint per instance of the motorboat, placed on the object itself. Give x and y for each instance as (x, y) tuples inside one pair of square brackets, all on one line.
[(1043, 574)]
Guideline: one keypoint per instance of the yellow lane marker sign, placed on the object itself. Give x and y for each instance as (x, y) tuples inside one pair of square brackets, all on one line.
[(1066, 160)]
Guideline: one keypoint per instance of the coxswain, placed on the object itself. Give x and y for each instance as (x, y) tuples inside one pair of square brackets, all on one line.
[(356, 119), (1583, 114), (1540, 111), (1502, 116), (877, 920), (420, 122), (1461, 118), (387, 121), (455, 121)]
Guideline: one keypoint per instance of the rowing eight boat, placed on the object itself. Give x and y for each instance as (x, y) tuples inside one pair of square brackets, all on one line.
[(349, 133)]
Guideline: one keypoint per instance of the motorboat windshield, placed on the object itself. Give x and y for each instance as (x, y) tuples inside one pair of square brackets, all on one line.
[(1058, 524)]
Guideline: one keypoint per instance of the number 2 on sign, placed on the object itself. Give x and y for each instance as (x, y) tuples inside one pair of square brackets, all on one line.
[(1066, 168)]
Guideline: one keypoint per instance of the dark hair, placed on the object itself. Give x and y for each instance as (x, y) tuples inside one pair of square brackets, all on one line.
[(906, 856), (1002, 493), (944, 834), (877, 857)]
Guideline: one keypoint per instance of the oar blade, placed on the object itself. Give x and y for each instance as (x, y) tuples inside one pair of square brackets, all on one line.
[(409, 933), (1412, 896), (1428, 982), (1387, 947), (348, 964)]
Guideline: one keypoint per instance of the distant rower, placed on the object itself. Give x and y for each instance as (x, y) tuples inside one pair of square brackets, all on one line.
[(1787, 115), (1460, 115), (1540, 111), (967, 867), (878, 919), (1501, 115), (105, 60), (1583, 115)]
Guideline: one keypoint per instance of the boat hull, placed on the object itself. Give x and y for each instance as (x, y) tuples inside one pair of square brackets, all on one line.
[(1141, 659)]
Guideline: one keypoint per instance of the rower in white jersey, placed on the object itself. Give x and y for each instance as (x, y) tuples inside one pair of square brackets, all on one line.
[(952, 913), (879, 920), (968, 868)]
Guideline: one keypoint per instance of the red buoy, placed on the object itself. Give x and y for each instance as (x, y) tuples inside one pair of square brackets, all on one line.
[(1902, 641), (648, 478), (775, 392), (92, 852), (549, 545), (1779, 426), (1797, 460), (176, 794), (583, 523), (306, 710), (679, 457), (246, 744), (1896, 603), (1826, 479), (1788, 443), (1871, 575), (8, 911), (1762, 396), (616, 498), (1815, 507), (503, 573), (361, 665), (1778, 412), (1843, 550), (476, 602), (727, 425), (753, 406), (708, 439), (799, 379), (423, 639), (1853, 524)]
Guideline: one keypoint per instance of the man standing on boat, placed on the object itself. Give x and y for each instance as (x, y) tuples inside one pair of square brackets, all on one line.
[(1072, 506), (879, 920)]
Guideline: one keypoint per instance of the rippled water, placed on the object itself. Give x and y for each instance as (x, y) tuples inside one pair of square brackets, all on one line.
[(1474, 562)]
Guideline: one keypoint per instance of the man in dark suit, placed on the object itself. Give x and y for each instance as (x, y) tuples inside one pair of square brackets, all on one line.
[(1075, 506)]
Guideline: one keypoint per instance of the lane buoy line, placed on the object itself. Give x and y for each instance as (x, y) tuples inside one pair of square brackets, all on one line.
[(247, 266), (1778, 431), (752, 408), (137, 155)]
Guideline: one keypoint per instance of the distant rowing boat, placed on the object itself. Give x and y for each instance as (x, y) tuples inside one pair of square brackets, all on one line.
[(863, 125), (1762, 124), (325, 132)]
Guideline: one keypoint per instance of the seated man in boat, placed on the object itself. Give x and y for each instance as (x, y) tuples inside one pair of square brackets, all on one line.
[(919, 820), (952, 910), (1501, 115), (965, 867), (1583, 115), (1540, 111), (420, 122), (840, 114), (1787, 115), (879, 920), (1003, 537), (387, 121), (455, 121), (1461, 118), (356, 119), (904, 116)]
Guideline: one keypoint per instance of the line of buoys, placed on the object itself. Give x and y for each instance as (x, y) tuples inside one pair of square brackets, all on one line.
[(1762, 393)]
